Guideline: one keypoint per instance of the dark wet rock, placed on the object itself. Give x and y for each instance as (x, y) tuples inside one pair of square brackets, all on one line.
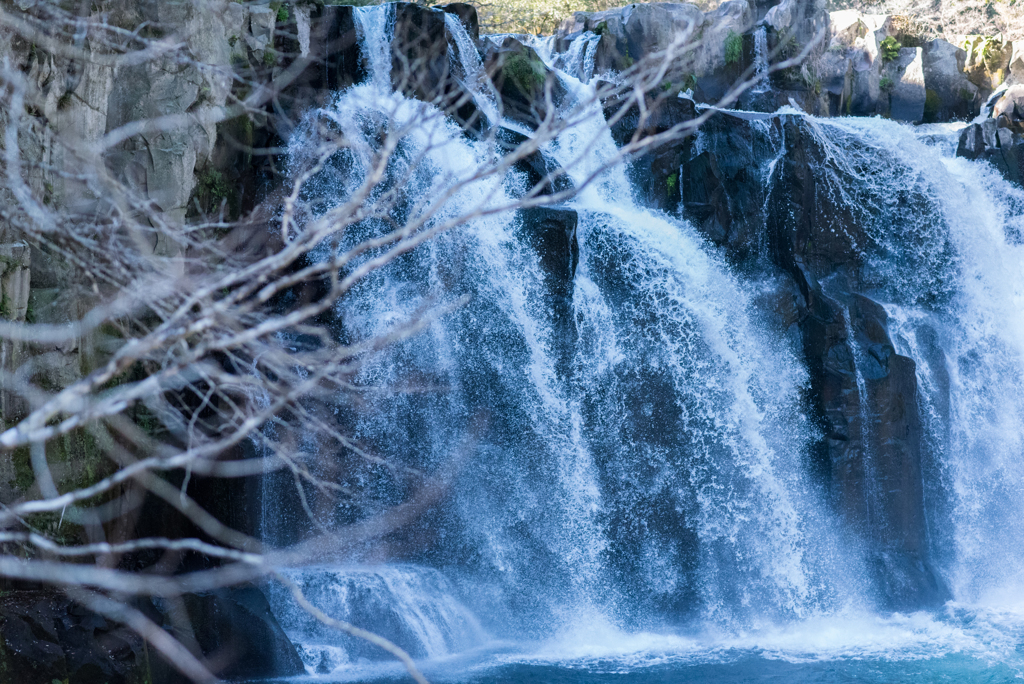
[(419, 51), (760, 201), (551, 231), (523, 81), (421, 64), (655, 172), (663, 109), (235, 626), (720, 187), (542, 175), (950, 95), (994, 141), (46, 637), (329, 62)]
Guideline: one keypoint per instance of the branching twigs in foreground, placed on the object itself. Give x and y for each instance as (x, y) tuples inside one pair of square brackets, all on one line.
[(197, 340)]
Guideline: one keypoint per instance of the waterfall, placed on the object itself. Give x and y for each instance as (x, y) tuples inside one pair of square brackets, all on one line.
[(576, 60), (638, 480), (761, 58), (969, 349), (375, 28), (470, 67)]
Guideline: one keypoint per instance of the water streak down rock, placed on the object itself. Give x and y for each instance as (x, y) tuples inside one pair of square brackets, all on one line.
[(863, 394)]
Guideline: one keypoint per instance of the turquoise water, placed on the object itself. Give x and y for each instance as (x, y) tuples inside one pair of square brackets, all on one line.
[(750, 669), (733, 669), (956, 644)]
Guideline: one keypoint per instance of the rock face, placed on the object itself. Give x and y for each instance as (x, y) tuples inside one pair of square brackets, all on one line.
[(997, 143), (522, 80), (949, 93), (906, 86), (855, 64), (754, 202), (45, 637), (628, 34), (15, 287), (235, 626)]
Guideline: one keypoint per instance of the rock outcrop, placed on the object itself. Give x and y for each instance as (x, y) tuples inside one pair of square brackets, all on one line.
[(994, 141), (756, 203), (45, 637)]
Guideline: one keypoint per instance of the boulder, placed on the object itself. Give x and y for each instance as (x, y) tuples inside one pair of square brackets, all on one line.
[(906, 86), (46, 637), (521, 79), (536, 169), (235, 628), (866, 91), (467, 15), (846, 28), (781, 16), (987, 61), (995, 142), (949, 93), (1016, 67), (420, 64), (1009, 108), (631, 33)]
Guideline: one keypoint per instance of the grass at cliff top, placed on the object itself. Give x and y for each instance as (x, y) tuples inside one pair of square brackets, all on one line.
[(538, 17), (542, 17)]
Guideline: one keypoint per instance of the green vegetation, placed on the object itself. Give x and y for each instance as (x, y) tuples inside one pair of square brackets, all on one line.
[(932, 105), (211, 190), (282, 14), (887, 84), (64, 102), (601, 28), (525, 73), (671, 182), (890, 49), (733, 48), (790, 48)]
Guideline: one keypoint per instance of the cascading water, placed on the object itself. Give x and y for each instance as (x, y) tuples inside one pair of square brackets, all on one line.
[(637, 496), (761, 58)]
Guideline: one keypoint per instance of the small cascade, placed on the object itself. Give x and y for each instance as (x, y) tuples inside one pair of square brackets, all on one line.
[(761, 59), (413, 607), (375, 28), (577, 60), (470, 68)]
